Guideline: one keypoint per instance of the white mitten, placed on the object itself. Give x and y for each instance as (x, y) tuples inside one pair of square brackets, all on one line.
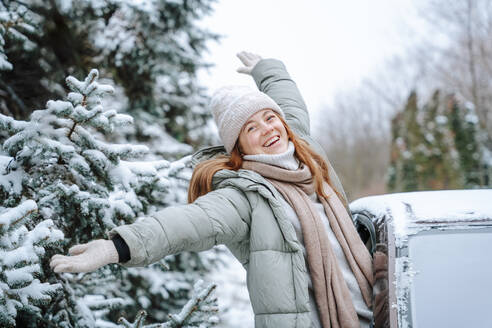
[(249, 61), (86, 257)]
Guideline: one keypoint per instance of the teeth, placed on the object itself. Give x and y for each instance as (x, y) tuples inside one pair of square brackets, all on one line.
[(271, 141)]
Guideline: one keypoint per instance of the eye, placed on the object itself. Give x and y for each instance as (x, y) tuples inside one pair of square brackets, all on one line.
[(269, 118), (250, 128)]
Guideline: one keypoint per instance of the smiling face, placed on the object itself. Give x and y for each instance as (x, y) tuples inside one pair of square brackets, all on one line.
[(263, 133)]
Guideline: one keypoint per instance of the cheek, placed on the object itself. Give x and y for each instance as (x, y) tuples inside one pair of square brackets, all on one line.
[(253, 140), (282, 129), (248, 142)]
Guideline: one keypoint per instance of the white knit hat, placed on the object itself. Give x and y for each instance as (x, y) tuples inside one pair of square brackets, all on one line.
[(233, 105)]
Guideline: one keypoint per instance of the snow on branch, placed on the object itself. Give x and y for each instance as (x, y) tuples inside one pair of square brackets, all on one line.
[(12, 22), (199, 311), (20, 254), (11, 125), (16, 215)]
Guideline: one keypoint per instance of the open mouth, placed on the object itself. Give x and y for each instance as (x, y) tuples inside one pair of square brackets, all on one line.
[(271, 141)]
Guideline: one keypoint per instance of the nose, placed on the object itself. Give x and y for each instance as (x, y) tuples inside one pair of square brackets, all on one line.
[(266, 128)]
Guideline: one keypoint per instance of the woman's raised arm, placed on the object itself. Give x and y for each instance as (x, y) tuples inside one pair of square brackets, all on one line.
[(219, 217), (272, 78)]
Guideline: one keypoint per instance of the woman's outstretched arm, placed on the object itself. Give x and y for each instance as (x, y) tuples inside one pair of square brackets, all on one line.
[(219, 217), (272, 78)]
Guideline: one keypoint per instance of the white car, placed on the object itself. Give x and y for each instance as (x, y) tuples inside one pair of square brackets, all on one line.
[(432, 253)]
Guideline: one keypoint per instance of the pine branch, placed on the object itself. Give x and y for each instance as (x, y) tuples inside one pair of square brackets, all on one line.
[(138, 323), (9, 24), (69, 134), (16, 215), (194, 305), (192, 314)]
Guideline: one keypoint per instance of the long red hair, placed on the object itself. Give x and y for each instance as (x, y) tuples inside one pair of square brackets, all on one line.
[(201, 180)]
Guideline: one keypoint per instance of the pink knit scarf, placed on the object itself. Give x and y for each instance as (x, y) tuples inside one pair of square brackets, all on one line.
[(331, 293)]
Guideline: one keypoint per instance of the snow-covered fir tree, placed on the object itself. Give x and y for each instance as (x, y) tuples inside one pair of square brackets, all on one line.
[(84, 186), (437, 146), (404, 131), (21, 250), (471, 144), (150, 52), (151, 49), (154, 50)]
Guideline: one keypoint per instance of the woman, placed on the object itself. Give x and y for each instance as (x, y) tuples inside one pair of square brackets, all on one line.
[(273, 199)]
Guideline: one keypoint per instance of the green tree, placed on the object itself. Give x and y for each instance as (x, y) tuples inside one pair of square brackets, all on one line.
[(437, 146), (151, 49), (85, 186)]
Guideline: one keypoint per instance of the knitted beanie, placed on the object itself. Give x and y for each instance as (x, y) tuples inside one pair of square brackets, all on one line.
[(232, 106)]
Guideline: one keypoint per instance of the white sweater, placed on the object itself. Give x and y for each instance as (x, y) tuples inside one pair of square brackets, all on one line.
[(288, 161)]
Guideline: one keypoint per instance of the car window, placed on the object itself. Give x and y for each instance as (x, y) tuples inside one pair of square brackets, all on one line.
[(451, 273)]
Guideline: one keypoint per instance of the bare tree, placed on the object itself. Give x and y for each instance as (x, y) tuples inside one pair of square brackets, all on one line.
[(355, 134), (457, 53), (451, 51)]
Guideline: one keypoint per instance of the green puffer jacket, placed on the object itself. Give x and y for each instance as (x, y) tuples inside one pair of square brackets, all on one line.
[(244, 213)]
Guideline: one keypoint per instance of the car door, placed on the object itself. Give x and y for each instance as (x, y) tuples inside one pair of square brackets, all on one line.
[(437, 272)]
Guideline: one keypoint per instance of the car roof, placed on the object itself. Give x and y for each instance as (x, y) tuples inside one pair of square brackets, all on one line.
[(428, 207)]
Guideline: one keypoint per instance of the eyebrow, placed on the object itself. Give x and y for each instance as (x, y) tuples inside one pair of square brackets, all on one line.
[(264, 113)]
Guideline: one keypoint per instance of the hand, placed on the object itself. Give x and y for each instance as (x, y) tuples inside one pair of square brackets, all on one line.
[(86, 257), (249, 61)]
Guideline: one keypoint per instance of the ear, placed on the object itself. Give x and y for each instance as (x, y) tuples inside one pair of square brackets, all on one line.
[(238, 146)]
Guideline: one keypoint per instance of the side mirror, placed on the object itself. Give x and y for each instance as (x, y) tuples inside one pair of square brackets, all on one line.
[(366, 230)]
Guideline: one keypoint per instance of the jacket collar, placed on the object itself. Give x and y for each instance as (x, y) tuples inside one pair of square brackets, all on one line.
[(207, 153), (242, 179)]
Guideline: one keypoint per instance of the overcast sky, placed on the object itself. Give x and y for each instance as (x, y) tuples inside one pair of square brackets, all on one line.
[(327, 46)]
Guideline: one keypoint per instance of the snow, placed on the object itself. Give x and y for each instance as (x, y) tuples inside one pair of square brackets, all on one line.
[(45, 231), (11, 177), (122, 150), (403, 279), (441, 119), (12, 125), (163, 143), (196, 309), (179, 164), (20, 254), (59, 107), (120, 207), (17, 35), (471, 118), (80, 114), (429, 137), (16, 213), (4, 16), (118, 119), (487, 155), (95, 302), (21, 275), (4, 64), (79, 163), (123, 174), (56, 146), (65, 6)]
